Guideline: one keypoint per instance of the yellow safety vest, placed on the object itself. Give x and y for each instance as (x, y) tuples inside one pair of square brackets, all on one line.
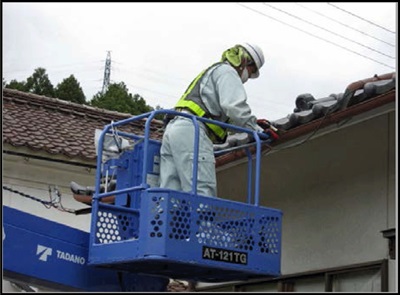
[(191, 100)]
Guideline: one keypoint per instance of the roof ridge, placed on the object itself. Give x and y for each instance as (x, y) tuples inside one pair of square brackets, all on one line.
[(72, 107)]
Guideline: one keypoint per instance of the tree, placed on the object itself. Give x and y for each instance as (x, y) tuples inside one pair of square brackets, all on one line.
[(117, 98), (39, 83), (161, 115), (14, 84), (69, 89), (140, 105)]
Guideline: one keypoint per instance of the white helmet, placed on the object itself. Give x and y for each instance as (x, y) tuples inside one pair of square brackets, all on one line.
[(257, 56)]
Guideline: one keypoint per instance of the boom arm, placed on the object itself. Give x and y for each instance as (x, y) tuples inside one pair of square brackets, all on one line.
[(49, 254)]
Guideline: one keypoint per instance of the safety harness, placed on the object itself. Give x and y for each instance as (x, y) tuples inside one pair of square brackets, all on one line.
[(191, 100)]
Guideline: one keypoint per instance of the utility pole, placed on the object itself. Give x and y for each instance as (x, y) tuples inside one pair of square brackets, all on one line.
[(107, 72)]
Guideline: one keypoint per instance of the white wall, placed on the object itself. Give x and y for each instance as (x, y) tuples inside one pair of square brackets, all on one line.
[(336, 193), (33, 177)]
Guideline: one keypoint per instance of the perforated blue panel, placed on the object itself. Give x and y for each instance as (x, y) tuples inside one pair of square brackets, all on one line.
[(190, 237), (116, 226)]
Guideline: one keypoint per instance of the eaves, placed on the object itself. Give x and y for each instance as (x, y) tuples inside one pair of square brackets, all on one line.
[(331, 122)]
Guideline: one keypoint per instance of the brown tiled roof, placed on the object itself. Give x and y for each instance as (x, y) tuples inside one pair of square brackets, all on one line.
[(63, 128), (56, 126)]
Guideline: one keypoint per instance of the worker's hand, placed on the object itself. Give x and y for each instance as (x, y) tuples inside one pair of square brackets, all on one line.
[(264, 123), (269, 128), (271, 133)]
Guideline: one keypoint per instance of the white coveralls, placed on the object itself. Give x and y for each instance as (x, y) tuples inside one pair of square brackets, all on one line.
[(223, 93)]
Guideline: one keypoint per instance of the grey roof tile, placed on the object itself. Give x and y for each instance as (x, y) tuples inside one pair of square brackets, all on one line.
[(308, 108)]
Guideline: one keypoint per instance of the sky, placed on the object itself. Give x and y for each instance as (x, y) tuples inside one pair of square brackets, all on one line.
[(157, 49)]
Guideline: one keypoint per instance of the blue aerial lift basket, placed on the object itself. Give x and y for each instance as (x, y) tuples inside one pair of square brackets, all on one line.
[(176, 234)]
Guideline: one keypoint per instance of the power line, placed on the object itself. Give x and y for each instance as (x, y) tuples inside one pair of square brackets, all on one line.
[(361, 18), (145, 70), (68, 70), (55, 66), (317, 37), (343, 24), (146, 89), (322, 28), (152, 76)]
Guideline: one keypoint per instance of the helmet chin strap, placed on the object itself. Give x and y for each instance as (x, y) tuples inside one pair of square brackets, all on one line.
[(245, 75)]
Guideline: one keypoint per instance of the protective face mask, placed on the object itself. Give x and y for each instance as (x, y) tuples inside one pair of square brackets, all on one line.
[(245, 75)]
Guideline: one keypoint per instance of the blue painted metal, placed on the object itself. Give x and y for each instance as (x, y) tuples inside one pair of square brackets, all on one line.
[(181, 234), (171, 231), (49, 254)]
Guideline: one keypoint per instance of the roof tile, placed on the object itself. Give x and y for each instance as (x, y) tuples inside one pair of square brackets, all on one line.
[(308, 108), (66, 128), (57, 126)]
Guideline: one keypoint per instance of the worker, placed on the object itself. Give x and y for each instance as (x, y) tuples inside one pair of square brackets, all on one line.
[(216, 93)]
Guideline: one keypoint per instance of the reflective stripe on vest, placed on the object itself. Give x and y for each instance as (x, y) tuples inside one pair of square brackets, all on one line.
[(191, 99)]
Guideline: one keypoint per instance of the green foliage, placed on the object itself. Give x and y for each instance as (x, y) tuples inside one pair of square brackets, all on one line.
[(117, 98), (140, 104), (159, 116), (70, 90), (39, 83), (14, 84)]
